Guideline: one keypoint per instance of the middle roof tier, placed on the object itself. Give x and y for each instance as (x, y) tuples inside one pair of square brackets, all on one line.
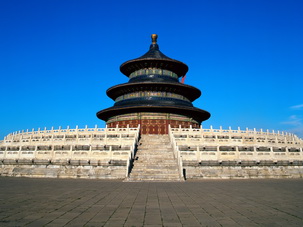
[(190, 92)]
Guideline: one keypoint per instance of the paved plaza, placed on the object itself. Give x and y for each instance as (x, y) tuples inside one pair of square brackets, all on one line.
[(77, 202)]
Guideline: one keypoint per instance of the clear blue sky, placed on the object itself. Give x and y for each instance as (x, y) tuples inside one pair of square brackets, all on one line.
[(58, 57)]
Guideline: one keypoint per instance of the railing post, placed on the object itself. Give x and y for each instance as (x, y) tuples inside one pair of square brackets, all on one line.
[(127, 167)]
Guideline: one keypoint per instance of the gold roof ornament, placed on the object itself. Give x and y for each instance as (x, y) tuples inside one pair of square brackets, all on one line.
[(154, 38)]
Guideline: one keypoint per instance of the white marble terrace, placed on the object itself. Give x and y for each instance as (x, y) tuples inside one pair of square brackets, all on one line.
[(94, 146), (236, 145), (79, 146)]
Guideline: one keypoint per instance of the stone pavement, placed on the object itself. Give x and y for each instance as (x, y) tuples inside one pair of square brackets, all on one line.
[(77, 202)]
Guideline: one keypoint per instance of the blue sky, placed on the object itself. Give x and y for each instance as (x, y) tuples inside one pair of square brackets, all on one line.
[(58, 58)]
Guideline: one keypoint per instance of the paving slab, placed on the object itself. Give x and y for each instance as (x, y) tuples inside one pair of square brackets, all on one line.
[(79, 202)]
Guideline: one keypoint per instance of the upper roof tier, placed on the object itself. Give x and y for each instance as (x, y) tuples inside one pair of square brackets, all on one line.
[(154, 58)]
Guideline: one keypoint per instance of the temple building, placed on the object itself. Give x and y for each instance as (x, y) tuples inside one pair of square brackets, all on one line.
[(153, 133), (153, 97)]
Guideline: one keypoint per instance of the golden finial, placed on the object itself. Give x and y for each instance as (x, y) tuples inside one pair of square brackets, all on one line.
[(154, 38)]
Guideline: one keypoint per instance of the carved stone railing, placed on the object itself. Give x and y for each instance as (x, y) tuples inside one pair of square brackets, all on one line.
[(177, 153), (88, 146), (236, 145)]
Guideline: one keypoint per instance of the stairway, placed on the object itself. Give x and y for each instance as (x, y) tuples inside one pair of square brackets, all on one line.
[(154, 160)]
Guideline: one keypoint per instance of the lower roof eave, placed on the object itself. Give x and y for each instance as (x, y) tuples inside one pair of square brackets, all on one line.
[(192, 112)]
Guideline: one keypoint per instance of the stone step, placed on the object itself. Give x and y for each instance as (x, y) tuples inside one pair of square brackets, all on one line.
[(155, 139), (156, 173), (153, 143), (156, 167), (154, 163), (156, 156), (166, 140), (154, 160), (151, 178), (146, 167), (148, 145), (154, 180), (148, 159), (149, 141), (147, 148), (155, 150), (155, 177), (143, 169), (155, 136)]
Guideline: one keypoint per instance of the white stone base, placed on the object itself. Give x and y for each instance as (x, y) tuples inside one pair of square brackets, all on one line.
[(233, 172), (119, 172), (64, 171)]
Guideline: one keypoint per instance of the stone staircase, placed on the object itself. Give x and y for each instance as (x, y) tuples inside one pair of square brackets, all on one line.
[(154, 160)]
